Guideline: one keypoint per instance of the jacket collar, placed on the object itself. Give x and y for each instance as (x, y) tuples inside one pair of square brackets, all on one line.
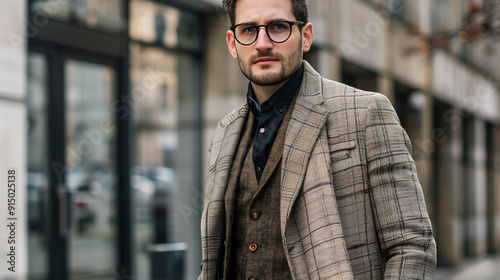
[(310, 96)]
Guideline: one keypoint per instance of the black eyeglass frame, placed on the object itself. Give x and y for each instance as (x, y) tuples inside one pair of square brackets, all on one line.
[(291, 23)]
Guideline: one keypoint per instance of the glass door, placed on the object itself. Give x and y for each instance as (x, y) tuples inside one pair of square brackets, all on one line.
[(90, 160), (37, 167), (71, 186)]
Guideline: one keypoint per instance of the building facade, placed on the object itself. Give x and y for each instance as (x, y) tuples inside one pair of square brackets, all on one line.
[(108, 108)]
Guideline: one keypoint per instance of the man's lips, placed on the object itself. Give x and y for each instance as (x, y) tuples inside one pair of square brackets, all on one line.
[(265, 60)]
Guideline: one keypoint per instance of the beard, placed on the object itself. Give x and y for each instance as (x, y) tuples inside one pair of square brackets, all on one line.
[(289, 65)]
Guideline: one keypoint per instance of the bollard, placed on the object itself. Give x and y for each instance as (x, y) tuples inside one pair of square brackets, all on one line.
[(167, 261)]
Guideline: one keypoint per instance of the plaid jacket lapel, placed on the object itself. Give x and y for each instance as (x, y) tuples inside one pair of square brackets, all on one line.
[(307, 120), (303, 131)]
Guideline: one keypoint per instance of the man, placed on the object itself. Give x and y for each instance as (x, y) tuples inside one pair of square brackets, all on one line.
[(310, 178)]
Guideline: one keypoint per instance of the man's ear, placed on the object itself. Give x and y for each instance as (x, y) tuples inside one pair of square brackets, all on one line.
[(231, 43), (307, 37)]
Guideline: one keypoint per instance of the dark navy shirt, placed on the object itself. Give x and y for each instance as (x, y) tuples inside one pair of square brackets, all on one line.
[(269, 116)]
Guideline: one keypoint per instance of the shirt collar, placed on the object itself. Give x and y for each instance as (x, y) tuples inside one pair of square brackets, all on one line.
[(280, 100)]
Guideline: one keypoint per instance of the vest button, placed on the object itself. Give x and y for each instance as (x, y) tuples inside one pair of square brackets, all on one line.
[(258, 169), (253, 247), (254, 214)]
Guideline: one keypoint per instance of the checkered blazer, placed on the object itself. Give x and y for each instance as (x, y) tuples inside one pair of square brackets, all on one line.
[(351, 203)]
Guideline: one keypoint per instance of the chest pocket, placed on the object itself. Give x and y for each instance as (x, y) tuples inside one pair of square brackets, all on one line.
[(341, 151)]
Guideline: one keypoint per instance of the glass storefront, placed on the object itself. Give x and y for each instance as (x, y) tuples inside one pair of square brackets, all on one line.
[(76, 98)]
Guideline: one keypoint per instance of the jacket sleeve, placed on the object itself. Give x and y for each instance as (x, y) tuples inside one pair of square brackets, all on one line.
[(401, 219)]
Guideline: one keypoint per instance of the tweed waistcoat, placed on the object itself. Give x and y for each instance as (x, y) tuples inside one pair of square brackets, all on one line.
[(255, 247)]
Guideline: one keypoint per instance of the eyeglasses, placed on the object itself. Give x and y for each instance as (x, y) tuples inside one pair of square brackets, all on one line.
[(278, 31)]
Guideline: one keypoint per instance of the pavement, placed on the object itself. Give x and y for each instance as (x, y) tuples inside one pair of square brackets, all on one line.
[(485, 268)]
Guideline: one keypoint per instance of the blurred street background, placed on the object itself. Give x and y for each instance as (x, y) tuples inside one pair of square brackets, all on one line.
[(107, 108)]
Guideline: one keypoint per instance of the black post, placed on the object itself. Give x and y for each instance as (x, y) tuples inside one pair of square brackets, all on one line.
[(57, 229), (124, 244)]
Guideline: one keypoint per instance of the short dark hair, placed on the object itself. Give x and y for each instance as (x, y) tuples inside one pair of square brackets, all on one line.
[(299, 9)]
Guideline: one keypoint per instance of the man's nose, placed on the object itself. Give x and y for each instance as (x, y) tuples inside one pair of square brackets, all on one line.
[(263, 42)]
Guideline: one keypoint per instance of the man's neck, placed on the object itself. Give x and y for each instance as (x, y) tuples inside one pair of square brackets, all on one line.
[(263, 93)]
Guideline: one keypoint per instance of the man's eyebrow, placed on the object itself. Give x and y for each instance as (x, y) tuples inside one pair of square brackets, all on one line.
[(266, 22)]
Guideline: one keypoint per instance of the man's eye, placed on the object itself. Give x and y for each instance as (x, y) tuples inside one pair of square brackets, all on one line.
[(249, 29), (279, 27)]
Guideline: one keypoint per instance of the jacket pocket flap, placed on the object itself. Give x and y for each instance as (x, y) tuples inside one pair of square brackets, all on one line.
[(341, 151), (349, 145)]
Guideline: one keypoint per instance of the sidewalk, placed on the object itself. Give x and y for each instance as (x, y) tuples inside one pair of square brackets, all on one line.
[(487, 268)]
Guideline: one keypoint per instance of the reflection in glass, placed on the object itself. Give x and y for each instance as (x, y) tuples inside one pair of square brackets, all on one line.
[(37, 166), (155, 23), (106, 15), (165, 176), (90, 138)]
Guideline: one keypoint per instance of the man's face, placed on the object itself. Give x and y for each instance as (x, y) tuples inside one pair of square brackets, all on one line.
[(265, 62)]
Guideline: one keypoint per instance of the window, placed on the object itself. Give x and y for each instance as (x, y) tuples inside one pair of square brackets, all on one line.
[(166, 155), (105, 15), (441, 15), (159, 24)]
